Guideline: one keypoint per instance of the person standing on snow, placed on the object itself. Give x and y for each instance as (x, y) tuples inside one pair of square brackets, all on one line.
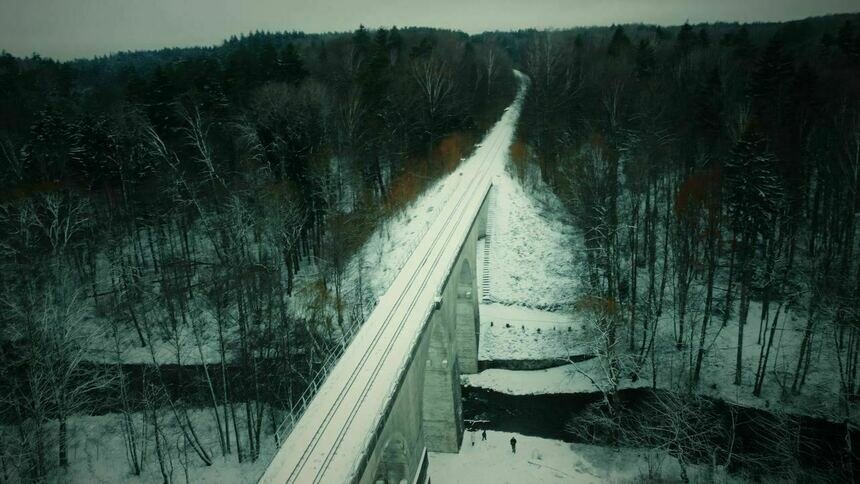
[(483, 435), (514, 445)]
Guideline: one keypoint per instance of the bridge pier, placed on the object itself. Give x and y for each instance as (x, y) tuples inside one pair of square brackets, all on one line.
[(468, 322), (442, 408)]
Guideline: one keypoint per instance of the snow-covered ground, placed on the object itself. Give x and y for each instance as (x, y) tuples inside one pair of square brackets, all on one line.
[(520, 333), (97, 452), (533, 252), (531, 284), (534, 257), (552, 461), (819, 396)]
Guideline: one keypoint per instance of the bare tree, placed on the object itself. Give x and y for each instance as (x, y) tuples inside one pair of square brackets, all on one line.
[(604, 371), (684, 426), (435, 87)]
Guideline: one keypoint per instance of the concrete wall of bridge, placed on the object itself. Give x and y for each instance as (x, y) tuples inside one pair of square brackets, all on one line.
[(426, 411)]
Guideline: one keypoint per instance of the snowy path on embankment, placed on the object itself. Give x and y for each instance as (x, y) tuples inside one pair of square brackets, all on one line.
[(519, 333)]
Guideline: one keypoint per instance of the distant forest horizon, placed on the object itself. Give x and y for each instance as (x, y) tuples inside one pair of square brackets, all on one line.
[(298, 33)]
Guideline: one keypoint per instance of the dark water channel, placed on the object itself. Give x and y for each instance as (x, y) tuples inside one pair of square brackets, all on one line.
[(818, 448)]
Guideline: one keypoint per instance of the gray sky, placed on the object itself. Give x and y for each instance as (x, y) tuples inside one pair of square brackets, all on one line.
[(82, 28)]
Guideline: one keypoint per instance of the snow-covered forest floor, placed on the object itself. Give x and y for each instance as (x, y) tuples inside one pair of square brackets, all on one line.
[(552, 461), (534, 262), (366, 276), (97, 451), (819, 397)]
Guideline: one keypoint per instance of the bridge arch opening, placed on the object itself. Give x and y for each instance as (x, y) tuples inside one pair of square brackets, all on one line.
[(394, 467), (465, 282)]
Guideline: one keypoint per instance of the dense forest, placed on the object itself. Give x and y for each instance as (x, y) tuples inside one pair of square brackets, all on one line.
[(714, 174), (157, 208), (176, 226)]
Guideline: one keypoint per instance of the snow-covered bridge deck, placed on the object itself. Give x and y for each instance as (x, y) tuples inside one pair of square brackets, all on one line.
[(333, 439)]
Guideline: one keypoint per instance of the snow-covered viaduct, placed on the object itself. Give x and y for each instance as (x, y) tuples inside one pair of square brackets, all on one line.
[(426, 410), (419, 409), (395, 392)]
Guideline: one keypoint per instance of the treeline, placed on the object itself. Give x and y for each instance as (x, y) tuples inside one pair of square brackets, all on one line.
[(707, 167), (710, 168), (167, 201)]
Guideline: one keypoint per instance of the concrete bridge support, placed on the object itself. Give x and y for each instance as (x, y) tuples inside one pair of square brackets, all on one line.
[(468, 320)]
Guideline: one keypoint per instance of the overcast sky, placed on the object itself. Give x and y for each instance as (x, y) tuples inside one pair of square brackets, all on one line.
[(82, 28)]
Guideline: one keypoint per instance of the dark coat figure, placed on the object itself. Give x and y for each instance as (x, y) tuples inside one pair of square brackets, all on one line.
[(483, 435), (514, 445)]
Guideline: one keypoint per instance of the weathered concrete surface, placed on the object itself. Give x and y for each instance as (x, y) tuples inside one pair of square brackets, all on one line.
[(468, 323), (400, 442), (427, 411)]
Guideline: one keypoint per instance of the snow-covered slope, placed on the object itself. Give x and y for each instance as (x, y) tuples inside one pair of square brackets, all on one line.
[(527, 275), (532, 252)]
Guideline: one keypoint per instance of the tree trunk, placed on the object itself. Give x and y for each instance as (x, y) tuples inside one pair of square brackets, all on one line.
[(765, 355), (63, 442), (742, 319), (709, 298)]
